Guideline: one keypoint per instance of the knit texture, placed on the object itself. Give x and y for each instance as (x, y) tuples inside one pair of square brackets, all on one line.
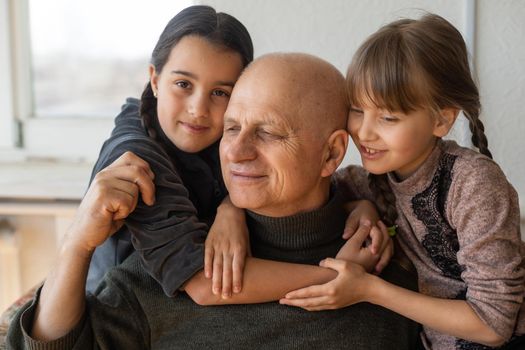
[(129, 310), (459, 225)]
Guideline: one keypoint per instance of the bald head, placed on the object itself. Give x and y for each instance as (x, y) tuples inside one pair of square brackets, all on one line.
[(284, 134), (301, 85)]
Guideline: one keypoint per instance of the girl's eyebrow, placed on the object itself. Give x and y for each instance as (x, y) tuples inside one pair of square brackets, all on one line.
[(196, 77)]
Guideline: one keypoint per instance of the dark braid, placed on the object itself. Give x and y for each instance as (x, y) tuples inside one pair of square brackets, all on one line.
[(478, 133), (148, 111), (385, 199)]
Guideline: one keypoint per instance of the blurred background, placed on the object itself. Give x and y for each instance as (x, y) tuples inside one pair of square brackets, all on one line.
[(67, 66)]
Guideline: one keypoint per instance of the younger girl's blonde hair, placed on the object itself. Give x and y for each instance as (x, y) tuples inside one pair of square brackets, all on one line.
[(415, 64)]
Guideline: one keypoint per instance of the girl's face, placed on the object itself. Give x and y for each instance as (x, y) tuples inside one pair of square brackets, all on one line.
[(193, 90), (393, 141)]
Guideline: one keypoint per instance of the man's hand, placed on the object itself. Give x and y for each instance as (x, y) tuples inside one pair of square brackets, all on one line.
[(226, 248), (111, 197), (379, 241)]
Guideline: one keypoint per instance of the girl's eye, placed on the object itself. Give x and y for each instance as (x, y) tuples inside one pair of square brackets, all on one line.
[(182, 84), (220, 93), (389, 118), (356, 110)]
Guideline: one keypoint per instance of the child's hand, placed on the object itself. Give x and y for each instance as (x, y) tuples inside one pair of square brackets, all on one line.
[(225, 250), (356, 249), (379, 241), (349, 287)]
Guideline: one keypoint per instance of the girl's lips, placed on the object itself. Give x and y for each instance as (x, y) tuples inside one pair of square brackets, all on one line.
[(370, 153), (194, 128)]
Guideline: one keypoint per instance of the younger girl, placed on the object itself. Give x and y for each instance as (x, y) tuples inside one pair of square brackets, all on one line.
[(456, 216)]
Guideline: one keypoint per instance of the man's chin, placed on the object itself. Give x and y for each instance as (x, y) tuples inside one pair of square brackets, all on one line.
[(241, 200)]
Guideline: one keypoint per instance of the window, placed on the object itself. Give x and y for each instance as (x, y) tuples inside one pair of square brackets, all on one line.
[(72, 65)]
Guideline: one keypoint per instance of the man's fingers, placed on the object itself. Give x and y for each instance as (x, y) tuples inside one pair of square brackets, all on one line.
[(227, 275), (238, 270), (130, 158), (129, 167)]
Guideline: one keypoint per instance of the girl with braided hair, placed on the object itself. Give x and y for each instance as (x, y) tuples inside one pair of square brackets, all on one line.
[(455, 214), (176, 127)]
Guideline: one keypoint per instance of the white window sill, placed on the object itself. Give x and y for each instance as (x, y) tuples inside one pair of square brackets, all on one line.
[(23, 180)]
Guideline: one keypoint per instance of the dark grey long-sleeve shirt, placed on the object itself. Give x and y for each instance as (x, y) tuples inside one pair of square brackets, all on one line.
[(129, 310), (169, 235)]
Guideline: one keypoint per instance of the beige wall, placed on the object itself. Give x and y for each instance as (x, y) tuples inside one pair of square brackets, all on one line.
[(334, 29)]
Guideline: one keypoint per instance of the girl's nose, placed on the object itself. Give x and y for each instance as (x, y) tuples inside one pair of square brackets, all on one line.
[(198, 105), (365, 129)]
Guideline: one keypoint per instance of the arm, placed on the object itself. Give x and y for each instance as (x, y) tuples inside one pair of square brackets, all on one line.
[(264, 281), (110, 198), (454, 317), (168, 236), (226, 248)]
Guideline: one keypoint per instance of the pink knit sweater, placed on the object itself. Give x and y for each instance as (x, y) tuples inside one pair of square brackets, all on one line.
[(459, 224)]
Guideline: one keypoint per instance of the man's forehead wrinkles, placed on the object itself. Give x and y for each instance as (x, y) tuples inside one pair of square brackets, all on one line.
[(259, 115)]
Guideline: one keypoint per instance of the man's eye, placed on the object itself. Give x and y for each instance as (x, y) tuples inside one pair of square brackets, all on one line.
[(231, 129), (268, 135)]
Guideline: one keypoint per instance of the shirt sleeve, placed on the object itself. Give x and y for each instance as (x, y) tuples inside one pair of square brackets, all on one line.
[(19, 333), (483, 208), (113, 319), (167, 235)]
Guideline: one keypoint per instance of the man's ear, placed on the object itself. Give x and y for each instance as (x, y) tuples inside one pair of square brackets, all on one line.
[(153, 79), (445, 120), (335, 152)]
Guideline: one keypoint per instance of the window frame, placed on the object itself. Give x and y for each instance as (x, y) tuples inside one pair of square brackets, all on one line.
[(22, 135)]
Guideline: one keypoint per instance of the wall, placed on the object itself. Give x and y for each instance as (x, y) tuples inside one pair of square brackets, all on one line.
[(334, 29)]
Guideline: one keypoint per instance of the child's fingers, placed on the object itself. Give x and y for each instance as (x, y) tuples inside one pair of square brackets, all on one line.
[(226, 275), (311, 304), (377, 240), (362, 233), (238, 270), (208, 260), (352, 222), (308, 292), (216, 279), (385, 257)]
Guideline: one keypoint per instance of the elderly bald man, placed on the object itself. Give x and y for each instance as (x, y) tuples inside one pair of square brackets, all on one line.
[(283, 139)]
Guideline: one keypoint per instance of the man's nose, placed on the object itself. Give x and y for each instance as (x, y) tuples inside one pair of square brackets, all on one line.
[(198, 105), (240, 147)]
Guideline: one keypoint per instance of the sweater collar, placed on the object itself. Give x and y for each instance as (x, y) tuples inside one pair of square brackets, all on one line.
[(303, 230)]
